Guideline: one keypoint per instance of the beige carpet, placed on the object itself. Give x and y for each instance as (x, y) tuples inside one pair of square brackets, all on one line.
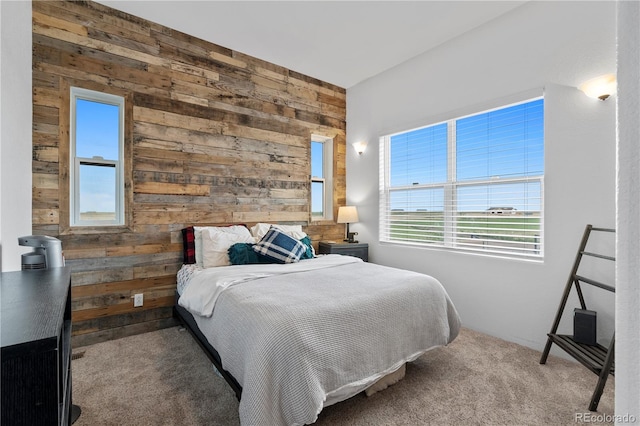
[(164, 378)]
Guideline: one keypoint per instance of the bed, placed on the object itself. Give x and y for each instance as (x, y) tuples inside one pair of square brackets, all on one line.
[(293, 337)]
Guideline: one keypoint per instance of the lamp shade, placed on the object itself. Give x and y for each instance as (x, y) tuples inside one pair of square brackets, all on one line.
[(599, 87), (347, 214), (360, 146)]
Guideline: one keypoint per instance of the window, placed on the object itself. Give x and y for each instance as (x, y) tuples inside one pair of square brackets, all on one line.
[(96, 158), (473, 183), (321, 178)]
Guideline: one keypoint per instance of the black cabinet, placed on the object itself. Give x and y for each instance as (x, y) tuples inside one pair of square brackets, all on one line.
[(36, 347), (360, 250)]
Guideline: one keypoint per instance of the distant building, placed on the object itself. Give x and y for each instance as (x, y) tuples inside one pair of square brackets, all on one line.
[(502, 210)]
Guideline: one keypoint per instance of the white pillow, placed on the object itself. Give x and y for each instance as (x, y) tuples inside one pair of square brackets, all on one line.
[(239, 230), (260, 229), (215, 246)]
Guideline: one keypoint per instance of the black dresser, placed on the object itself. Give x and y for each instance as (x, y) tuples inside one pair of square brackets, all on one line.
[(36, 347), (360, 250)]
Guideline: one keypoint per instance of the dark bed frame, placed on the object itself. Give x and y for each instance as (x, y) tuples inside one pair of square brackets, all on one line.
[(189, 323), (187, 320)]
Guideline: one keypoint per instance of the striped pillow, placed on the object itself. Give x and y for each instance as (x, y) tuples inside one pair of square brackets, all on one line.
[(280, 247)]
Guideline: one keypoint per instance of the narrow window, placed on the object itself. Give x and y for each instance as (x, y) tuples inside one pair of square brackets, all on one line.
[(473, 183), (321, 178), (96, 158)]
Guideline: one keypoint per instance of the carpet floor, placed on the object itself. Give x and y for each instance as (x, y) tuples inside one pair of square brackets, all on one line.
[(164, 378)]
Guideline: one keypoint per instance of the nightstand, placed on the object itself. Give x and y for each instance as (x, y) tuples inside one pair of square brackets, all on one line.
[(360, 250)]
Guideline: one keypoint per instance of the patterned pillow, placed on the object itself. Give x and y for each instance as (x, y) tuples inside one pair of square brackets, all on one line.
[(280, 247), (188, 246)]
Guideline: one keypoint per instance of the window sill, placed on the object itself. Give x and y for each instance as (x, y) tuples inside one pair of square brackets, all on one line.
[(107, 229), (466, 252)]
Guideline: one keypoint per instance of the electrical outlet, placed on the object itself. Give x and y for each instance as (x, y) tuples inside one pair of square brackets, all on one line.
[(138, 300)]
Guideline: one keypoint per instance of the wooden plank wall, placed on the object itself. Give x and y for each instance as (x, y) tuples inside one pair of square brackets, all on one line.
[(213, 137)]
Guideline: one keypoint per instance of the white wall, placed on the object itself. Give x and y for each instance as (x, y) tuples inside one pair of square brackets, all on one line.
[(15, 130), (628, 220), (539, 45)]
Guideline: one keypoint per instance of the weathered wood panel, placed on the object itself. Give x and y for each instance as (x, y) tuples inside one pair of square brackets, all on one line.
[(212, 136)]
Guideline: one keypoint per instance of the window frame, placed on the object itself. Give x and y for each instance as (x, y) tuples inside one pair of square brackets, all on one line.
[(326, 180), (450, 188), (75, 162)]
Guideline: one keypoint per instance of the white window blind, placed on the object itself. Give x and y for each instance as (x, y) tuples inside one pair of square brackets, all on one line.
[(474, 183)]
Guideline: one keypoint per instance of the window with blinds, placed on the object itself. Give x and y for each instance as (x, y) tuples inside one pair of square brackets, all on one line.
[(97, 158), (473, 183), (321, 178)]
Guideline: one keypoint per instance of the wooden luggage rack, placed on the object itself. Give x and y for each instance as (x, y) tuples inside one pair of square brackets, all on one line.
[(598, 359)]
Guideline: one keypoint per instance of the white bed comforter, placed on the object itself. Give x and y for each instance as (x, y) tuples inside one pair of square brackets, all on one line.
[(302, 336)]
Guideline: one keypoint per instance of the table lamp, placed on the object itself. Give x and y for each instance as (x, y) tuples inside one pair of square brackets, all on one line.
[(348, 214)]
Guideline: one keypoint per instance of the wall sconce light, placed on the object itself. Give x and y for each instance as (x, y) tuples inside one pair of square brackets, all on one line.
[(600, 87), (360, 147)]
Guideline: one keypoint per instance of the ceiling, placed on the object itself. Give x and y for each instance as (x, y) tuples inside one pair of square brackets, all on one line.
[(340, 42)]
